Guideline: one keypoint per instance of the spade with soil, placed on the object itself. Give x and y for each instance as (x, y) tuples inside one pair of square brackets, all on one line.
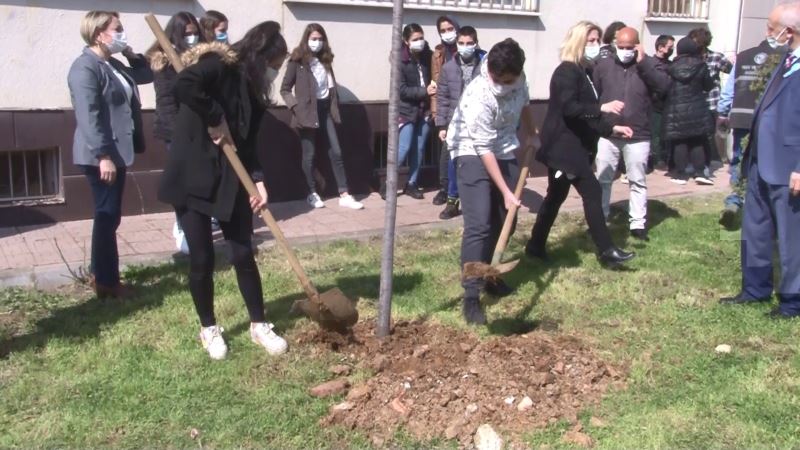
[(332, 309), (487, 271)]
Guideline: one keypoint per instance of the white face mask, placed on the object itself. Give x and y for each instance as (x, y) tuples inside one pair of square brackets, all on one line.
[(625, 55), (773, 41), (417, 46), (191, 40), (272, 74), (591, 52), (501, 90), (118, 43), (314, 45), (466, 51), (448, 37)]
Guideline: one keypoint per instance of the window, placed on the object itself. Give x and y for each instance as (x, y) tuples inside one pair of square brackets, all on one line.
[(515, 7), (678, 9), (29, 175)]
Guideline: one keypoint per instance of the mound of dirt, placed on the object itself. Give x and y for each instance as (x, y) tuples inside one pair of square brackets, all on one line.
[(440, 382)]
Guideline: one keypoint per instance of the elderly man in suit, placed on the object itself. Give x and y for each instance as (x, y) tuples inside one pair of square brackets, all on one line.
[(772, 165)]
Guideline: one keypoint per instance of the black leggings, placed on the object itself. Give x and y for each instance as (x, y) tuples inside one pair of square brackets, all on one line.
[(237, 232), (694, 150), (557, 190)]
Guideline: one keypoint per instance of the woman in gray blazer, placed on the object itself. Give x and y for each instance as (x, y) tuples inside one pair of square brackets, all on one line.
[(109, 131)]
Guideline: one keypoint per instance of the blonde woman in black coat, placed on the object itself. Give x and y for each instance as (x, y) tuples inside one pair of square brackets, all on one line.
[(570, 133)]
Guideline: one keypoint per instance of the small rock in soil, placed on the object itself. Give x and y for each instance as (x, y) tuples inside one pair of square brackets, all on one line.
[(358, 393), (525, 404), (399, 407), (420, 351), (487, 439), (509, 400), (723, 348), (466, 348), (454, 429), (340, 370), (329, 388), (558, 367), (344, 406), (472, 408)]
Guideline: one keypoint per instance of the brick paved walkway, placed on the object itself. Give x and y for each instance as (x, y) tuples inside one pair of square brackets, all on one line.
[(29, 256)]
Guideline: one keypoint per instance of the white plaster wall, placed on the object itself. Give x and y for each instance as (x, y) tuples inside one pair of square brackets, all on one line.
[(40, 39)]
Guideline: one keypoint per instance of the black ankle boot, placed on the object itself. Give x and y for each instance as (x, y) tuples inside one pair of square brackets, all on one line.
[(473, 311)]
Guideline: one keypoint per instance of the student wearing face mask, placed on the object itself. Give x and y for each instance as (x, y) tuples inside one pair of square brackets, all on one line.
[(607, 50), (315, 108), (222, 94), (109, 132), (632, 78), (448, 31), (214, 26), (573, 126), (183, 32), (659, 157), (414, 107), (482, 139), (456, 74)]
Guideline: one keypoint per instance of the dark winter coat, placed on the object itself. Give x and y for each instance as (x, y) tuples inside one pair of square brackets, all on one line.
[(211, 88), (303, 102), (686, 109), (415, 103), (633, 84), (573, 124), (450, 84), (164, 77)]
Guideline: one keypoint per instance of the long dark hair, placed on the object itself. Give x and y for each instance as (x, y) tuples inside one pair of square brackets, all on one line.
[(303, 53), (611, 32), (261, 45), (175, 29), (209, 22)]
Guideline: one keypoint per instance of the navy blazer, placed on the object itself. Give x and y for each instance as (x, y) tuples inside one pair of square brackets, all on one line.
[(107, 123), (776, 123)]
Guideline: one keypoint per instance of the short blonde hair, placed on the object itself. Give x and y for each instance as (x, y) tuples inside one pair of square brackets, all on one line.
[(94, 23), (572, 49)]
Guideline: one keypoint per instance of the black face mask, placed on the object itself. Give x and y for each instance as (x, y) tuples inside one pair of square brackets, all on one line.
[(668, 54)]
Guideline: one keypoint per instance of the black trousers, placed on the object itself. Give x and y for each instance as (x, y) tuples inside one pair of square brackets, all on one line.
[(694, 150), (484, 211), (557, 190), (308, 137), (237, 232)]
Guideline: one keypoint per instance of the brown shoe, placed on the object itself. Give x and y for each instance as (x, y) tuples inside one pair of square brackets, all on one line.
[(120, 291)]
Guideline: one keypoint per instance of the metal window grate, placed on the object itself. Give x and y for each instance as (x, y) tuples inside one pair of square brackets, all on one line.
[(29, 175), (518, 7), (678, 9)]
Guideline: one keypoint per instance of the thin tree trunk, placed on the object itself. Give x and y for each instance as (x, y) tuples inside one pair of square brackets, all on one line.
[(387, 256)]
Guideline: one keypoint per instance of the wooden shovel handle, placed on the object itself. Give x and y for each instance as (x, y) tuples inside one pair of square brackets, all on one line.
[(229, 149), (502, 241)]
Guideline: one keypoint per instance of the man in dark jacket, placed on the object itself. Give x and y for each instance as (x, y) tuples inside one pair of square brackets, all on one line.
[(453, 78), (659, 158), (632, 78)]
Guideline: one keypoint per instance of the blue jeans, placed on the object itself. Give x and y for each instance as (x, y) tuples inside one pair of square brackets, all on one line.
[(452, 185), (107, 216), (413, 135), (738, 134)]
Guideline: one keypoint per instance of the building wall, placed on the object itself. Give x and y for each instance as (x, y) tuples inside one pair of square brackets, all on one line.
[(43, 38)]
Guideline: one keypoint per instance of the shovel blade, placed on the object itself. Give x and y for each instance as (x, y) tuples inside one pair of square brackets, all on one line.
[(332, 310), (486, 271)]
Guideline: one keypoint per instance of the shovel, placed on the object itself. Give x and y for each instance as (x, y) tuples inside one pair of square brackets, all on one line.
[(487, 271), (332, 310)]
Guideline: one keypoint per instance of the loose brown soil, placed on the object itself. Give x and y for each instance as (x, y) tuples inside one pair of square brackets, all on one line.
[(441, 382)]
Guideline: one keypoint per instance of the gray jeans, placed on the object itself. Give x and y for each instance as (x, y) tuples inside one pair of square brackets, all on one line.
[(483, 209), (636, 155)]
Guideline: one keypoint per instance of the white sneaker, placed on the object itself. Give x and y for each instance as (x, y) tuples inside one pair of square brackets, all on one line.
[(314, 200), (680, 181), (180, 239), (347, 201), (261, 333), (211, 338), (704, 181)]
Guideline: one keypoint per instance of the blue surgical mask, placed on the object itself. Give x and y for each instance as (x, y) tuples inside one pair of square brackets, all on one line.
[(222, 37), (591, 52), (118, 44), (773, 40), (466, 51)]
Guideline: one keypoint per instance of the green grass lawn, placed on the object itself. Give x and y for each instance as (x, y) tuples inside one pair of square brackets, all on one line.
[(83, 373)]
